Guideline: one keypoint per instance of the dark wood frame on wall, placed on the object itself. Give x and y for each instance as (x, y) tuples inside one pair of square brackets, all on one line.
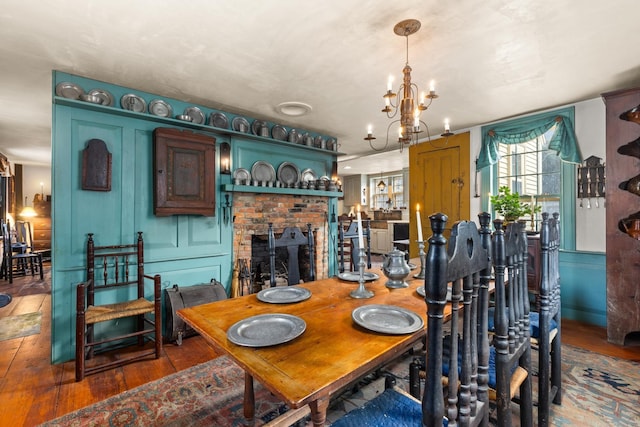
[(184, 173), (96, 166)]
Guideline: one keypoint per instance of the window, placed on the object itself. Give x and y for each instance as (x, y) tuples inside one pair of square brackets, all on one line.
[(535, 156), (391, 196), (534, 172)]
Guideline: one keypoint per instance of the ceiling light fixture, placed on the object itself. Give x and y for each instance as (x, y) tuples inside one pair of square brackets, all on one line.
[(407, 95), (293, 108)]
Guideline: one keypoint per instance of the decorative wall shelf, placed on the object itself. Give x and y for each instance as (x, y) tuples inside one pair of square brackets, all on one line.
[(175, 122), (275, 190)]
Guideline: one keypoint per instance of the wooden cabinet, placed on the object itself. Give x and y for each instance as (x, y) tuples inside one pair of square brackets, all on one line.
[(623, 203), (379, 240), (41, 226)]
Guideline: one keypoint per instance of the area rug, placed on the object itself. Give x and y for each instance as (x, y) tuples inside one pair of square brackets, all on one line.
[(21, 325), (598, 391)]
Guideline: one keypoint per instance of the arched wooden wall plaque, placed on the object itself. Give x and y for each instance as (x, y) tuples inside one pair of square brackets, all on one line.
[(96, 166)]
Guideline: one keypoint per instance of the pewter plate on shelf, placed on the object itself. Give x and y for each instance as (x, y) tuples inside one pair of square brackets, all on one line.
[(256, 126), (219, 120), (133, 102), (237, 121), (354, 276), (387, 319), (196, 115), (279, 132), (308, 175), (242, 174), (421, 292), (158, 107), (69, 90), (105, 97), (288, 174), (263, 171), (265, 330), (284, 295)]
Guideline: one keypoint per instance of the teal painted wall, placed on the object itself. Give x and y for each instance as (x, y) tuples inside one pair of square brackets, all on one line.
[(583, 278), (184, 249)]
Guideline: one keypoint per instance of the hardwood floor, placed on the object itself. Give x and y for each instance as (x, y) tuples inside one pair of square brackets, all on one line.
[(33, 391)]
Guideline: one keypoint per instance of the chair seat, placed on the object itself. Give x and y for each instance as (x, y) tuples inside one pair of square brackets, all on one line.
[(392, 408), (101, 313)]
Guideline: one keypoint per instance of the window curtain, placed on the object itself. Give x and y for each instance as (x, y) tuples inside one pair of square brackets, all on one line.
[(521, 130)]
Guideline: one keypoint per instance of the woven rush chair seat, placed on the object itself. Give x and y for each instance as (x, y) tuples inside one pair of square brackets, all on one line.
[(102, 313)]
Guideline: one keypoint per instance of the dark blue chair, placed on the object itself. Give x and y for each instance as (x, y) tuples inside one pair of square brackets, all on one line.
[(465, 263)]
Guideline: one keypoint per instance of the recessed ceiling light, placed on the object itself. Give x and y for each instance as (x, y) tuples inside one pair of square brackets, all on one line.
[(293, 108)]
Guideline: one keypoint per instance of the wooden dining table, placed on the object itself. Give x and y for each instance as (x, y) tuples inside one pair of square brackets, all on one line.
[(331, 353)]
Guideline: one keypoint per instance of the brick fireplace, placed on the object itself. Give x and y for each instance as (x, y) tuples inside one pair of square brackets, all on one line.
[(254, 211)]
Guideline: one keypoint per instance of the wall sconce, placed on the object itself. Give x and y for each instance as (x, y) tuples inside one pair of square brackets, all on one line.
[(225, 158), (591, 180)]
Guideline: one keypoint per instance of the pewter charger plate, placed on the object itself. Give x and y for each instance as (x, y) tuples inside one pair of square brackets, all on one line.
[(354, 276), (266, 330), (284, 295), (387, 319)]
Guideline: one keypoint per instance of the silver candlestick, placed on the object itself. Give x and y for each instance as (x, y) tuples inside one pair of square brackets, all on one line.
[(423, 259), (361, 292)]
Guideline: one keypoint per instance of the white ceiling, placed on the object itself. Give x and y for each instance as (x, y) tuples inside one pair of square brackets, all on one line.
[(490, 59)]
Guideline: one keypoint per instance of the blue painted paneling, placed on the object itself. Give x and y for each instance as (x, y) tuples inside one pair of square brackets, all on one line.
[(184, 249), (584, 286)]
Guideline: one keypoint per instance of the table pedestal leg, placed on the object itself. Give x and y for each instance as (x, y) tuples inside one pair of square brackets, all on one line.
[(319, 411), (249, 399)]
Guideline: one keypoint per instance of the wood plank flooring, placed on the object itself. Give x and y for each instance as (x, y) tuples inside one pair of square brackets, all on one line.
[(33, 391)]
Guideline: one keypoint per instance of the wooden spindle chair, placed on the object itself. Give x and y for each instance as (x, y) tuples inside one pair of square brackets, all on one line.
[(112, 272), (549, 339), (466, 264)]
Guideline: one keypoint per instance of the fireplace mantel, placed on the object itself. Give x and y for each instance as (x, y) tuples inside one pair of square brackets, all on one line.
[(279, 190)]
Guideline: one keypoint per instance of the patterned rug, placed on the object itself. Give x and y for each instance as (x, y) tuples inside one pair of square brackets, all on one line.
[(21, 325), (598, 391)]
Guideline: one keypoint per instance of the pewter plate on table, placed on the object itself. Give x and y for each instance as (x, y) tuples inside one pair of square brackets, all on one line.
[(284, 295), (421, 292), (354, 276), (265, 330), (387, 319)]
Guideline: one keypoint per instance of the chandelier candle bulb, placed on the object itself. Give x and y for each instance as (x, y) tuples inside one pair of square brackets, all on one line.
[(390, 83), (447, 127), (360, 238), (419, 222), (432, 86)]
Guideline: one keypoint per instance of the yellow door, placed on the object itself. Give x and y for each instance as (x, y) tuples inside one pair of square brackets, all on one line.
[(439, 182)]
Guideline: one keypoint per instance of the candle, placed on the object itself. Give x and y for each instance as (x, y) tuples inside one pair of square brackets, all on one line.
[(419, 222), (432, 86), (360, 238), (447, 127), (390, 83), (416, 121), (42, 189), (225, 165), (369, 129), (422, 98)]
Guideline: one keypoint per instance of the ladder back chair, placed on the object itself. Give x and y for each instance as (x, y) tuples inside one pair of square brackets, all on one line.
[(115, 289), (291, 239), (511, 338), (549, 340), (463, 400), (349, 244), (17, 259)]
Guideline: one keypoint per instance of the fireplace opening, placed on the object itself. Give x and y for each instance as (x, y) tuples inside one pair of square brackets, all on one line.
[(260, 263)]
